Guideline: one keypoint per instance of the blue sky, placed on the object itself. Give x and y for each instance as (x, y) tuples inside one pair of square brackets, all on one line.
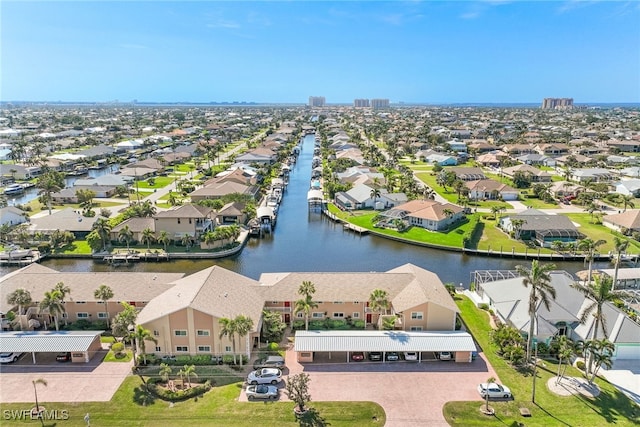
[(410, 51)]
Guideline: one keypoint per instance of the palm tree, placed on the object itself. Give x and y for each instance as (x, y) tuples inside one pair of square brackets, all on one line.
[(189, 371), (228, 329), (35, 391), (599, 292), (516, 225), (64, 291), (125, 234), (52, 303), (102, 228), (50, 182), (165, 372), (602, 350), (244, 325), (20, 297), (164, 239), (627, 200), (148, 237), (104, 293), (305, 305), (538, 279), (374, 194), (379, 301), (620, 246), (590, 247), (140, 335), (565, 350), (307, 289)]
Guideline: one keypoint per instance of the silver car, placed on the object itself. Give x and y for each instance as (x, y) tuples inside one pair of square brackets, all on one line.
[(494, 390), (262, 391), (265, 376), (9, 357)]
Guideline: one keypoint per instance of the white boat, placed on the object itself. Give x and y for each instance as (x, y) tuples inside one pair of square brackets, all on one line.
[(14, 189), (12, 254)]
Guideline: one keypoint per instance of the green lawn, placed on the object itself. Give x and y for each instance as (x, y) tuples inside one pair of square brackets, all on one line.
[(160, 182), (218, 407), (597, 232), (536, 203), (610, 407), (77, 247)]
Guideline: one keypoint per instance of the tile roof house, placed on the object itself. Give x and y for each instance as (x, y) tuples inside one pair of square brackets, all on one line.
[(188, 219), (628, 220), (221, 189), (468, 174), (429, 214), (542, 228), (536, 174), (66, 219), (488, 189)]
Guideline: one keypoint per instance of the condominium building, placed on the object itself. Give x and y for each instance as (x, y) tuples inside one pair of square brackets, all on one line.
[(377, 104), (557, 103), (317, 101), (361, 103)]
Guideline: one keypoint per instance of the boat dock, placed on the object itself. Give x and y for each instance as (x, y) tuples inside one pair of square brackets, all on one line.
[(357, 229), (22, 261)]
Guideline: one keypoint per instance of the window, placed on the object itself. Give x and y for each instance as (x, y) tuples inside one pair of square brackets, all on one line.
[(204, 349), (182, 348), (227, 348), (65, 315), (102, 315), (338, 315), (337, 302), (82, 315), (356, 302), (178, 220), (356, 315), (416, 315), (81, 302), (299, 315), (416, 328), (158, 349), (202, 332), (156, 333), (317, 315), (100, 302), (189, 220), (180, 333)]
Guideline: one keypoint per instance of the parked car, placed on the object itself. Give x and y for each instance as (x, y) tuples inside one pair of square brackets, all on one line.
[(357, 356), (392, 356), (375, 356), (445, 355), (410, 356), (262, 392), (63, 357), (168, 358), (269, 362), (9, 357), (265, 376), (217, 360), (494, 390)]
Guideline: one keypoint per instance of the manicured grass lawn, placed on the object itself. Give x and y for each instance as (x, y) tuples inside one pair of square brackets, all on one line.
[(598, 231), (111, 357), (218, 407), (451, 196), (76, 247), (37, 207), (160, 182), (536, 203), (610, 407)]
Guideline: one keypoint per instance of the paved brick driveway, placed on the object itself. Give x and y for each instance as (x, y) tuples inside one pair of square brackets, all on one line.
[(411, 394)]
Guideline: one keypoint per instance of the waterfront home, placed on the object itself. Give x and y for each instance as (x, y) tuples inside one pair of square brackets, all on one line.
[(69, 195), (592, 174), (260, 156), (509, 299), (189, 219), (231, 213), (67, 219), (11, 215), (488, 189), (136, 226), (536, 175), (221, 189), (541, 228), (360, 197), (239, 175), (428, 214), (441, 159), (133, 287), (628, 221), (19, 171)]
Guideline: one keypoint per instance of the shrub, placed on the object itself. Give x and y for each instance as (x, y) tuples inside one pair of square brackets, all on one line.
[(117, 347), (178, 395), (358, 324), (483, 306), (299, 324), (273, 346), (580, 365)]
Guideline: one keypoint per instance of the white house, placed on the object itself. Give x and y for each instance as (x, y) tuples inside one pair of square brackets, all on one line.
[(11, 215)]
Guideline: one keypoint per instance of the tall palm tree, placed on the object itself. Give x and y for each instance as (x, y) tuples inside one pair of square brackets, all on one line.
[(627, 200), (375, 194), (379, 301), (516, 225), (125, 234), (228, 329), (35, 391), (148, 237), (140, 335), (620, 246), (307, 289), (602, 350), (189, 371), (50, 182), (305, 305), (104, 293), (599, 292), (102, 228), (20, 297), (589, 246), (538, 279), (565, 351), (64, 291), (244, 325), (165, 372), (164, 239), (52, 303)]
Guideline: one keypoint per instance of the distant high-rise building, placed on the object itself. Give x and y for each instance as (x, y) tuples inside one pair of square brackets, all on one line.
[(316, 101), (557, 103), (360, 103), (377, 104)]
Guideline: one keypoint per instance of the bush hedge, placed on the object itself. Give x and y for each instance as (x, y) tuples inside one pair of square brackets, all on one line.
[(178, 395)]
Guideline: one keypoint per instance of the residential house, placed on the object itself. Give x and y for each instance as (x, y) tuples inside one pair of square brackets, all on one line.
[(536, 175), (221, 189), (258, 156), (67, 219), (491, 159), (428, 214), (627, 145), (231, 213), (628, 221), (136, 226), (592, 174), (552, 150), (541, 228), (488, 189), (536, 159), (632, 172), (562, 189), (186, 220), (457, 146), (10, 215), (360, 197), (509, 299), (441, 159), (629, 187), (69, 195), (468, 174), (18, 171)]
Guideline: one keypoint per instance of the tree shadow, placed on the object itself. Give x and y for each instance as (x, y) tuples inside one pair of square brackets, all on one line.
[(551, 415), (142, 397), (312, 418)]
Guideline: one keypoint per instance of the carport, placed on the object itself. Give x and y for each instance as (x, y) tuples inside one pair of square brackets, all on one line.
[(457, 342), (82, 345)]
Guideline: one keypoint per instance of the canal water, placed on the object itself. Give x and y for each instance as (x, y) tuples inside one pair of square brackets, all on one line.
[(308, 241)]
